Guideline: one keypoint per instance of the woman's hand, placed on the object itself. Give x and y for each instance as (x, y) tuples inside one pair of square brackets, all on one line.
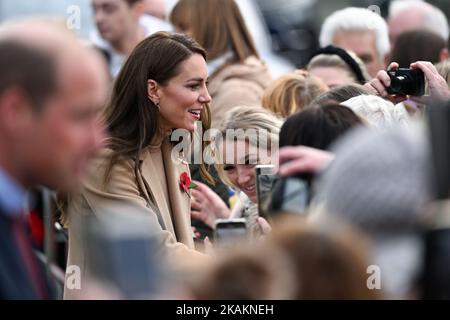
[(265, 226), (207, 206), (301, 159)]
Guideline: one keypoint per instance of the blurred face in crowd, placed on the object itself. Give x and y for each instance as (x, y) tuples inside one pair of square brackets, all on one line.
[(240, 165), (363, 44), (58, 139), (183, 98), (406, 20), (332, 77), (155, 8), (116, 19)]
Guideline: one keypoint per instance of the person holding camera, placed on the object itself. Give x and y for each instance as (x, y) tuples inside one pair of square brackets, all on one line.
[(438, 90)]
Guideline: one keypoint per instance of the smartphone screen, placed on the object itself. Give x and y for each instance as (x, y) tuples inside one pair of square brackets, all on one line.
[(228, 231), (295, 197)]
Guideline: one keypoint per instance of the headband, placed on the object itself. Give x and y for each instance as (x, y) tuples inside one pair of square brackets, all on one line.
[(347, 59)]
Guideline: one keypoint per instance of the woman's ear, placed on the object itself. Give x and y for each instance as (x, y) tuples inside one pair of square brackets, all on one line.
[(153, 91)]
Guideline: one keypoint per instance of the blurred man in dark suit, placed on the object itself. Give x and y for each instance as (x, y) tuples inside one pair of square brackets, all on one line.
[(52, 89)]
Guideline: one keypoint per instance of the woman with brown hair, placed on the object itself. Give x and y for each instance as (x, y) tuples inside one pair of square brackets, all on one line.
[(161, 87), (238, 76)]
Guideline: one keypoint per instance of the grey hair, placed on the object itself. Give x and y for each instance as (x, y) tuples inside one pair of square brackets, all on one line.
[(356, 19), (434, 19)]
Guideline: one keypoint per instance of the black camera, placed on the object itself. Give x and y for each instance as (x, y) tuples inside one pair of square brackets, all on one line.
[(407, 82)]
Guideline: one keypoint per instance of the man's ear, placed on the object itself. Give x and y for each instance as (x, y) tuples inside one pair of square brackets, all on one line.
[(443, 55), (138, 9), (153, 92), (15, 110)]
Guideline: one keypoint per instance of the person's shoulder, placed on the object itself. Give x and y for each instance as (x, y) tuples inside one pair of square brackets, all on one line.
[(251, 70), (101, 166)]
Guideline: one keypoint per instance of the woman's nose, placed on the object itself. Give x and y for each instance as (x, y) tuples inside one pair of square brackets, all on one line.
[(204, 96)]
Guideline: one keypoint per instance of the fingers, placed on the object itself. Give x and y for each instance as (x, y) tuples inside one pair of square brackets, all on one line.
[(204, 190), (378, 87), (265, 226), (209, 248), (293, 167), (200, 185), (384, 78), (289, 153), (393, 66), (197, 234), (427, 67), (379, 84), (195, 205), (302, 159), (437, 85), (198, 195), (196, 215)]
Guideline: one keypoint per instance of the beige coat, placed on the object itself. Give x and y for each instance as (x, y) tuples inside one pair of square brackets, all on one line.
[(171, 226), (239, 84)]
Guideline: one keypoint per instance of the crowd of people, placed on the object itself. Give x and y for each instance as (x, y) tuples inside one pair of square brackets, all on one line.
[(345, 147)]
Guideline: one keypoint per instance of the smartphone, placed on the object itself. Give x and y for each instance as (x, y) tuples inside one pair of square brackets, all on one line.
[(289, 195), (265, 178), (229, 231)]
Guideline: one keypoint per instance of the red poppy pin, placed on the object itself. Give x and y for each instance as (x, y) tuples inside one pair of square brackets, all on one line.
[(186, 183)]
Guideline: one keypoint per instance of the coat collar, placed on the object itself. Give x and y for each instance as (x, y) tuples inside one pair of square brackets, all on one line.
[(179, 200)]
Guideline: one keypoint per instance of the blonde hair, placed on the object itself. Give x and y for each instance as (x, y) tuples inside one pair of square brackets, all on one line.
[(335, 61), (291, 93), (217, 25), (248, 118)]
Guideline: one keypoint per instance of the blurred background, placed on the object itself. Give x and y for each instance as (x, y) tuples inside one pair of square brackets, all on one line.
[(293, 25)]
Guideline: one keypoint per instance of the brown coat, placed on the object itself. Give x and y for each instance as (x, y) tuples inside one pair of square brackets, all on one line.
[(171, 227), (238, 84)]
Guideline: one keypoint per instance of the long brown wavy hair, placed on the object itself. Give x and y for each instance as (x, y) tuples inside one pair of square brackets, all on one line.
[(217, 25), (131, 118)]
